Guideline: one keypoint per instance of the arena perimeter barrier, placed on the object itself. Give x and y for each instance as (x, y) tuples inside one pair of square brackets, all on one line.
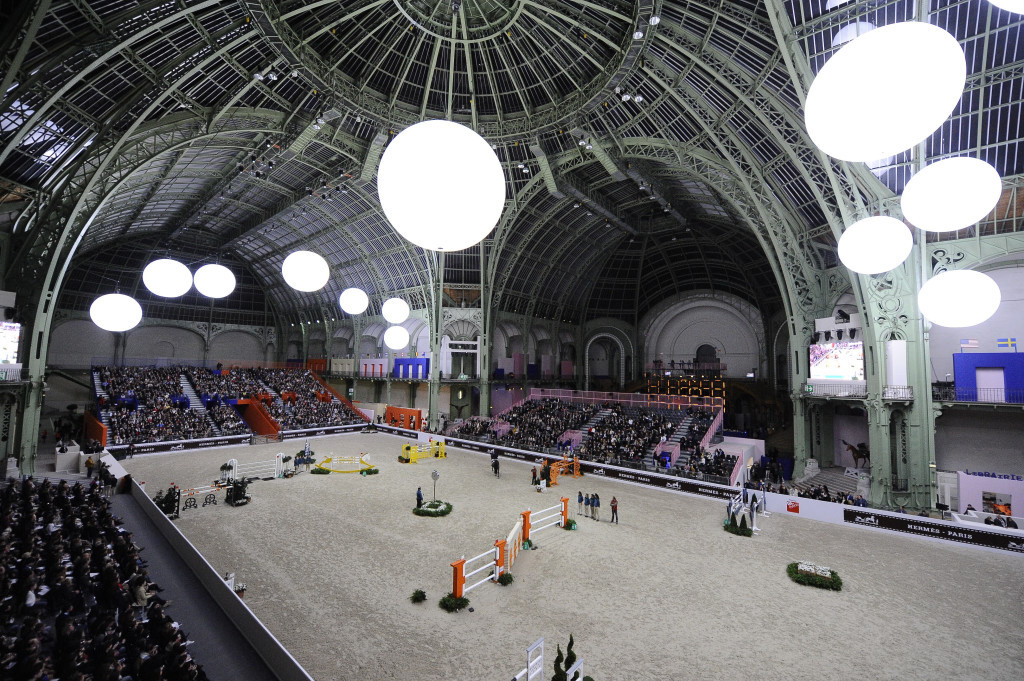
[(868, 518), (266, 645)]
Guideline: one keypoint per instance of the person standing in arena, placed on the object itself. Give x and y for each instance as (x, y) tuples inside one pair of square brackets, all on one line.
[(595, 506), (615, 511), (419, 497), (579, 500), (586, 506)]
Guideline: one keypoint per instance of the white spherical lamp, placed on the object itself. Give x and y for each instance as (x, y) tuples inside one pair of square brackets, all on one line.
[(305, 271), (851, 31), (854, 115), (396, 337), (441, 185), (951, 194), (115, 312), (1013, 6), (875, 245), (214, 281), (959, 298), (395, 310), (167, 278), (354, 301)]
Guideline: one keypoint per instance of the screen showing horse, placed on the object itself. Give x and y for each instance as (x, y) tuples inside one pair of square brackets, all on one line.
[(841, 361)]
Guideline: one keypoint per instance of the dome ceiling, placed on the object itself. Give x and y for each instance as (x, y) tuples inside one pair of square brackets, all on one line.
[(642, 159)]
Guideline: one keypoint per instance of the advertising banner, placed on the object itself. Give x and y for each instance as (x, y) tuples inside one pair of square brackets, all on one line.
[(921, 526)]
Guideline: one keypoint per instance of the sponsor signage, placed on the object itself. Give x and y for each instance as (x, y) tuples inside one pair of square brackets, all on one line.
[(590, 468), (793, 506), (149, 447), (919, 526), (998, 476), (314, 432)]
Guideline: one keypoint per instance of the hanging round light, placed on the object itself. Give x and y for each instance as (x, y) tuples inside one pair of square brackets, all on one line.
[(214, 281), (354, 300), (1012, 6), (441, 185), (875, 245), (115, 312), (305, 271), (951, 194), (959, 298), (167, 278), (855, 115), (395, 310), (396, 337)]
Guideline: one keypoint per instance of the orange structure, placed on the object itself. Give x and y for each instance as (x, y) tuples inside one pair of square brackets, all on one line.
[(563, 467)]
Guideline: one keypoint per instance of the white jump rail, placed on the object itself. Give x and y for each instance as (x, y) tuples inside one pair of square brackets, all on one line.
[(257, 469), (534, 663), (559, 517), (459, 574)]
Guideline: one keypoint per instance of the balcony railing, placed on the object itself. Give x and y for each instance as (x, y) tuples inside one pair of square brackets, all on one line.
[(944, 392), (899, 484), (858, 390)]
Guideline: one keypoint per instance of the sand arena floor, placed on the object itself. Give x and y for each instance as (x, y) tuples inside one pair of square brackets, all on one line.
[(331, 560)]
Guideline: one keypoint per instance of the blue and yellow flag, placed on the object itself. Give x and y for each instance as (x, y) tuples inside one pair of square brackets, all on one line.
[(1007, 343)]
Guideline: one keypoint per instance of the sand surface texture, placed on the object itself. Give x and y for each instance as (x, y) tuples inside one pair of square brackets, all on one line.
[(331, 560)]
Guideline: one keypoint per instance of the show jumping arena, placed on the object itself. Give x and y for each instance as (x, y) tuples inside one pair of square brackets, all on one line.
[(330, 562)]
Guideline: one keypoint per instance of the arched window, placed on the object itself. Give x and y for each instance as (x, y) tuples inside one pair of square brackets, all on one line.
[(706, 354)]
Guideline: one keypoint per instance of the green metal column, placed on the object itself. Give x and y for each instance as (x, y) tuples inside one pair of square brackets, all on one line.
[(435, 324), (484, 349)]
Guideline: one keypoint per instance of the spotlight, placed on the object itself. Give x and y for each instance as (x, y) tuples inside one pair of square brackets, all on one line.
[(853, 333), (815, 337), (828, 335), (839, 334), (589, 146), (654, 20), (638, 34), (626, 98)]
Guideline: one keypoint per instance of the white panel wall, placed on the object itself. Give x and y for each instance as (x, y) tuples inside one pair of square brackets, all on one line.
[(680, 330), (236, 346), (979, 440), (164, 342), (1006, 322), (74, 343)]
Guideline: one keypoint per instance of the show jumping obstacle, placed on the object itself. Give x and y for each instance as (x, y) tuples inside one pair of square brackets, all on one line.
[(561, 516), (433, 449), (209, 494), (534, 663), (264, 470), (359, 461), (504, 553), (563, 467)]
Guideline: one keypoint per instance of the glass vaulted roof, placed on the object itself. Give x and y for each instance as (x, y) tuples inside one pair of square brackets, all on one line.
[(643, 158)]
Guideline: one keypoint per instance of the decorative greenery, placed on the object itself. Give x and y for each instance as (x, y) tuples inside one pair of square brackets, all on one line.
[(453, 604), (225, 467), (371, 471), (562, 665), (418, 596), (506, 578), (571, 525), (813, 577), (527, 544), (434, 509), (319, 471), (740, 529), (285, 459), (402, 459)]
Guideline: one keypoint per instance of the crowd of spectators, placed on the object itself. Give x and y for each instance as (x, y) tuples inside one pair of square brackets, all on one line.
[(625, 435), (697, 429), (156, 425), (69, 578), (472, 428), (227, 419), (537, 424), (702, 464), (131, 386), (822, 493), (230, 384)]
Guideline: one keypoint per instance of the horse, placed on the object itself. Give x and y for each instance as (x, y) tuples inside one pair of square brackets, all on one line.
[(859, 452)]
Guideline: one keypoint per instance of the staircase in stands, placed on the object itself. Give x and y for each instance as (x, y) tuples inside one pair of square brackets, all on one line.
[(97, 386), (194, 402)]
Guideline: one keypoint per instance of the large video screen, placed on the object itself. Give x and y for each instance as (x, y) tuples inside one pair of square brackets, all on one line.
[(10, 336), (842, 361)]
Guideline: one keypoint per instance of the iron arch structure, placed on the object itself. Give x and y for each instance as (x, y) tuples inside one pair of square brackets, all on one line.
[(644, 159)]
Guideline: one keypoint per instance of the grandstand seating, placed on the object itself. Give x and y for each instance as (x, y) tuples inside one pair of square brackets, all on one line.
[(76, 599)]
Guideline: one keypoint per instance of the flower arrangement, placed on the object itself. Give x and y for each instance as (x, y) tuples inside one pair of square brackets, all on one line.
[(434, 509), (818, 576)]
